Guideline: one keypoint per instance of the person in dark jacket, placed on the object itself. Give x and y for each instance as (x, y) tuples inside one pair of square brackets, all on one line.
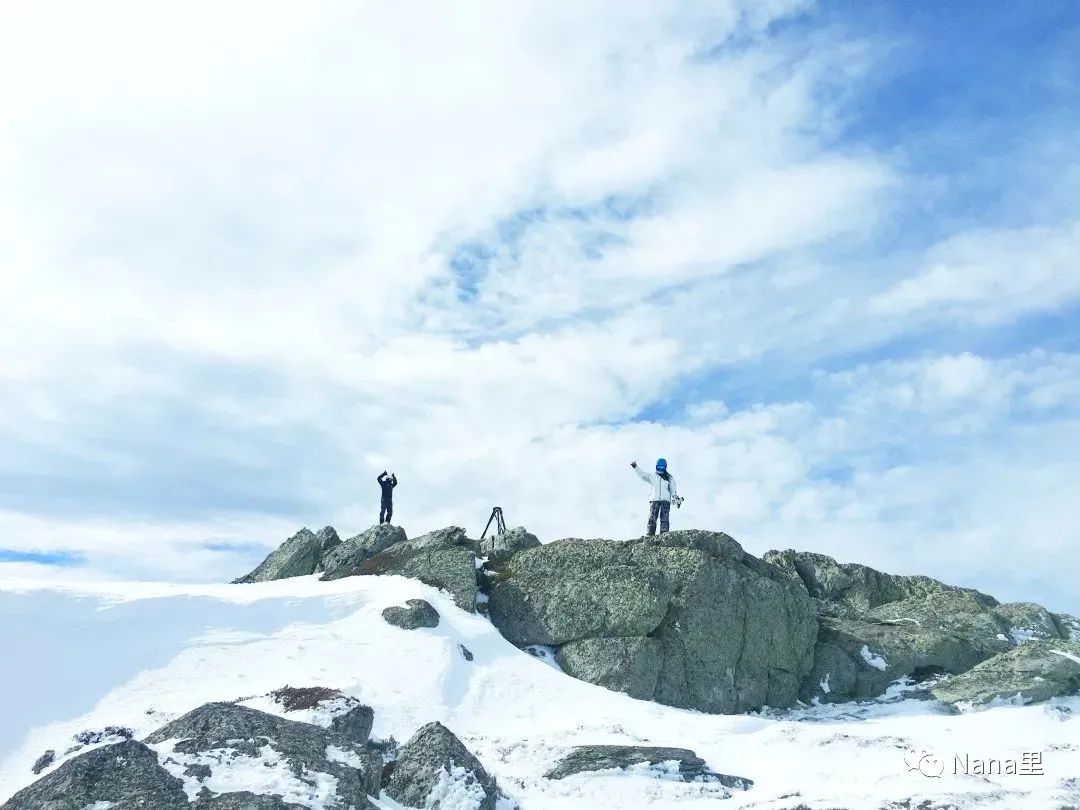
[(386, 509)]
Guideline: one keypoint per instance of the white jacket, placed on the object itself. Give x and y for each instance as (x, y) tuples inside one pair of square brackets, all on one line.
[(661, 490)]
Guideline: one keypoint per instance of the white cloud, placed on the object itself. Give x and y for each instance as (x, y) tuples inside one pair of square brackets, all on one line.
[(987, 276), (226, 262)]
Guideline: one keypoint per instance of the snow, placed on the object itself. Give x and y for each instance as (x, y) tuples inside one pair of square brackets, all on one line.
[(320, 715), (340, 755), (1070, 656), (824, 685), (137, 655), (231, 770), (545, 654), (1021, 634), (456, 789), (876, 661)]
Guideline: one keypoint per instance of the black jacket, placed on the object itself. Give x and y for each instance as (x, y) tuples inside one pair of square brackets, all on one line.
[(387, 482)]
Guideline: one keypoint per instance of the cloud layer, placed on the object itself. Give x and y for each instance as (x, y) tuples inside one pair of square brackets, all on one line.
[(253, 255)]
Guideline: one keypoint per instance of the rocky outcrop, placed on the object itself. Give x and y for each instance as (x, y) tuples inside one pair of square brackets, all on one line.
[(876, 628), (630, 665), (343, 560), (416, 613), (443, 559), (355, 723), (223, 737), (435, 765), (850, 590), (44, 761), (1033, 672), (501, 547), (687, 619), (442, 538), (123, 776), (245, 800), (682, 761), (301, 555), (856, 660), (1068, 627)]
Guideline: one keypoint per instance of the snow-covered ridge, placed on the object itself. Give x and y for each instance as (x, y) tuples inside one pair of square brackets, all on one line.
[(139, 656)]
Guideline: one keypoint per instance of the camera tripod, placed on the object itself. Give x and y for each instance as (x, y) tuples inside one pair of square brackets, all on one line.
[(500, 524)]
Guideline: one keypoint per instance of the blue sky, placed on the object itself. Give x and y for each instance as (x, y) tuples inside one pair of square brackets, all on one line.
[(821, 256)]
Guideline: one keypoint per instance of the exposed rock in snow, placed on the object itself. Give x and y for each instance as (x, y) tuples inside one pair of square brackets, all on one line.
[(680, 763), (417, 613), (1033, 672), (1068, 626), (698, 622), (244, 800), (301, 555), (501, 547), (630, 665), (442, 538), (126, 774), (319, 706), (1070, 656), (44, 761), (922, 627), (350, 554), (246, 749), (355, 724), (443, 559), (435, 769)]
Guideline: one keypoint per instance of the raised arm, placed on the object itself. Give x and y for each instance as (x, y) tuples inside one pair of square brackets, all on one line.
[(644, 476), (382, 475), (393, 481)]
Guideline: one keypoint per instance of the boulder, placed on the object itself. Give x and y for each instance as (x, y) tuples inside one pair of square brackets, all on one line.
[(226, 736), (850, 590), (450, 537), (501, 547), (451, 569), (44, 761), (689, 766), (630, 665), (245, 800), (301, 555), (857, 660), (347, 556), (723, 631), (123, 776), (909, 626), (417, 613), (329, 708), (1025, 621), (1031, 673), (1068, 626), (435, 766), (355, 724)]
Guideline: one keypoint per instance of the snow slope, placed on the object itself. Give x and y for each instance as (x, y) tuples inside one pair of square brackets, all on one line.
[(83, 656)]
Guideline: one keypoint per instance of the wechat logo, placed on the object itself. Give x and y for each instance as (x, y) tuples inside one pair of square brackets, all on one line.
[(921, 760)]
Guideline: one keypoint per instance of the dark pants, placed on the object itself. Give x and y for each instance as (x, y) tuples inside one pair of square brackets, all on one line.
[(662, 510), (386, 510)]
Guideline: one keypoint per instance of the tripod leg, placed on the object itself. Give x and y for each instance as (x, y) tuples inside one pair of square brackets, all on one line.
[(488, 526)]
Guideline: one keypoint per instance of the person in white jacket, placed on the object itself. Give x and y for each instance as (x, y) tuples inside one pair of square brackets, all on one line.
[(663, 494)]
